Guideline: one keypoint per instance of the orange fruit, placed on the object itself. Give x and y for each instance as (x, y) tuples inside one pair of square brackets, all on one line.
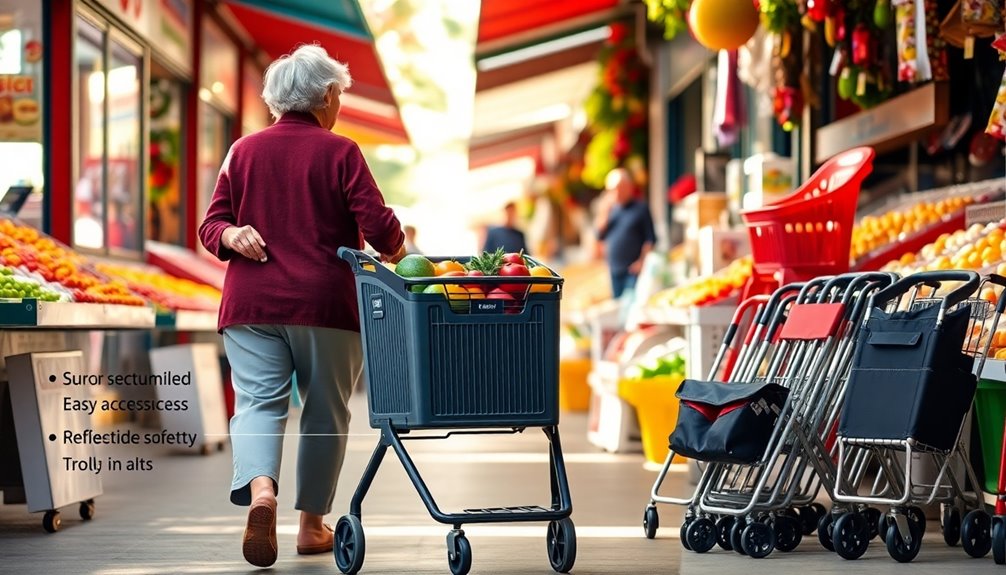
[(541, 272), (1001, 269), (448, 266)]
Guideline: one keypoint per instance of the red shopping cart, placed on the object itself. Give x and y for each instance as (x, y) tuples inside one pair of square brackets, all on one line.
[(808, 233)]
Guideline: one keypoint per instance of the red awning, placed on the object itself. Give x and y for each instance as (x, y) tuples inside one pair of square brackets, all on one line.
[(510, 22), (370, 105)]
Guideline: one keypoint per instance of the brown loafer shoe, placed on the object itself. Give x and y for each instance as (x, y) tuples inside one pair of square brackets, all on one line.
[(259, 545), (318, 547)]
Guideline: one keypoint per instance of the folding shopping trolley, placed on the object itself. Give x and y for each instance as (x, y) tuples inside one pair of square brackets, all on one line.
[(461, 364), (912, 385), (757, 492)]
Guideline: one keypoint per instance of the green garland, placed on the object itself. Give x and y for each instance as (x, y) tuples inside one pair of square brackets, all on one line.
[(673, 14), (616, 110)]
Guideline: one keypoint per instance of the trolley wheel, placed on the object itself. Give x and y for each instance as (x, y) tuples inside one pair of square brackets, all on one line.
[(736, 535), (897, 548), (825, 530), (701, 535), (999, 540), (87, 510), (758, 540), (651, 521), (788, 532), (851, 535), (918, 516), (459, 556), (873, 517), (821, 510), (808, 519), (723, 527), (561, 544), (350, 544), (976, 533), (683, 530), (51, 521), (951, 525)]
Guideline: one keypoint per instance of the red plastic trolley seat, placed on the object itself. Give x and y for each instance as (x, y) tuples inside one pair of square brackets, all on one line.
[(809, 233)]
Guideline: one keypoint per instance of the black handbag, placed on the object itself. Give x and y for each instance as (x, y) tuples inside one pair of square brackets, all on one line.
[(726, 422)]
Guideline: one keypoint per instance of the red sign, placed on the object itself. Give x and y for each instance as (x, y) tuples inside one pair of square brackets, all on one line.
[(17, 84)]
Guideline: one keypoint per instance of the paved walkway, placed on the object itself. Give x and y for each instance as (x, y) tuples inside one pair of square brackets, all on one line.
[(178, 520)]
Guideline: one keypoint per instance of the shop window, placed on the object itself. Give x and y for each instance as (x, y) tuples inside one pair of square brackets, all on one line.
[(214, 140), (109, 192), (166, 208)]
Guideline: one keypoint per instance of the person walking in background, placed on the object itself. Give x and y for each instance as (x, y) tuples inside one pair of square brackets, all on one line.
[(410, 241), (287, 198), (625, 227), (506, 236)]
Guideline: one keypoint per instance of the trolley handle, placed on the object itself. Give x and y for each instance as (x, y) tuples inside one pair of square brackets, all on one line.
[(764, 316), (361, 262), (868, 279), (1001, 282), (970, 280)]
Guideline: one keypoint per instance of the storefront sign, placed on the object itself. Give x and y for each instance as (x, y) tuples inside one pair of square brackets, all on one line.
[(166, 24), (889, 125), (21, 74)]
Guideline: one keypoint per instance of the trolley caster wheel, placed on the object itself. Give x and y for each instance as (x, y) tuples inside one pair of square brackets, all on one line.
[(350, 544), (825, 531), (736, 536), (651, 521), (87, 510), (561, 544), (999, 540), (723, 527), (683, 531), (951, 525), (851, 535), (51, 521), (918, 516), (821, 510), (900, 550), (758, 540), (701, 535), (788, 532), (808, 519), (459, 552), (873, 517), (976, 533)]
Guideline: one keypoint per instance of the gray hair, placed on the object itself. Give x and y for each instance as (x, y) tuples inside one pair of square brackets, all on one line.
[(297, 82)]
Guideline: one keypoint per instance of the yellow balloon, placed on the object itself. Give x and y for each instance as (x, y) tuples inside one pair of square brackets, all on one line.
[(723, 24)]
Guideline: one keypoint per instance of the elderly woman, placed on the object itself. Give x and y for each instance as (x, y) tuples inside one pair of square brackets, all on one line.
[(286, 199)]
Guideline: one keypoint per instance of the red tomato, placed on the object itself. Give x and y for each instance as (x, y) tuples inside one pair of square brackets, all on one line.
[(475, 274), (515, 270), (512, 258)]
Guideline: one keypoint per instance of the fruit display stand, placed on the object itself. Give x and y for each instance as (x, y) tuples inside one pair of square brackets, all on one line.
[(181, 304), (186, 264), (905, 224)]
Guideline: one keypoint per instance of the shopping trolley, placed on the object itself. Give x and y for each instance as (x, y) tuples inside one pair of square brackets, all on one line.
[(912, 385), (458, 365), (764, 500)]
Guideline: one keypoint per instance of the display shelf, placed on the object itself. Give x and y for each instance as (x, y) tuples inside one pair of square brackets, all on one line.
[(913, 243), (183, 320), (31, 313), (697, 315), (187, 264)]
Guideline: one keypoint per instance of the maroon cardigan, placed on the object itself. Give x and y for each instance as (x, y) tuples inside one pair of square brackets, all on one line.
[(308, 192)]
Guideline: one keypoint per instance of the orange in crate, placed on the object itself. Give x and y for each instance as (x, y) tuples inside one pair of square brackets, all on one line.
[(657, 410)]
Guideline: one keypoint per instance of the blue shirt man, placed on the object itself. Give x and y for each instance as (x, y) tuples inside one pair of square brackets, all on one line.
[(625, 226), (506, 236)]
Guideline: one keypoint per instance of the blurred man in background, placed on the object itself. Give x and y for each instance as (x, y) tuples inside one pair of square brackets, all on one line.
[(625, 226), (506, 236)]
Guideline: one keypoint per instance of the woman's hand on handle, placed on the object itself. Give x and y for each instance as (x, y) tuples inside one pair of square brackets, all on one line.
[(394, 258), (246, 241)]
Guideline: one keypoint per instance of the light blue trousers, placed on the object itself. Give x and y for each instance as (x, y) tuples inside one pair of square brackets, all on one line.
[(263, 358)]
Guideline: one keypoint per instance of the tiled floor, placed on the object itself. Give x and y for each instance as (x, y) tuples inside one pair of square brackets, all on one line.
[(178, 519)]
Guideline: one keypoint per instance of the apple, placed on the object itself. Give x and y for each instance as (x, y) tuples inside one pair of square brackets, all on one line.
[(475, 287), (515, 270), (514, 258)]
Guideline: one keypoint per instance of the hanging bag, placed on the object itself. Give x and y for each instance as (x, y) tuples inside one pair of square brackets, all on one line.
[(726, 422)]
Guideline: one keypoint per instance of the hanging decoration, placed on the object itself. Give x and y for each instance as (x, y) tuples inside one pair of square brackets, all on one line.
[(672, 14), (723, 24), (860, 64), (728, 110), (997, 120), (616, 111), (781, 18)]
